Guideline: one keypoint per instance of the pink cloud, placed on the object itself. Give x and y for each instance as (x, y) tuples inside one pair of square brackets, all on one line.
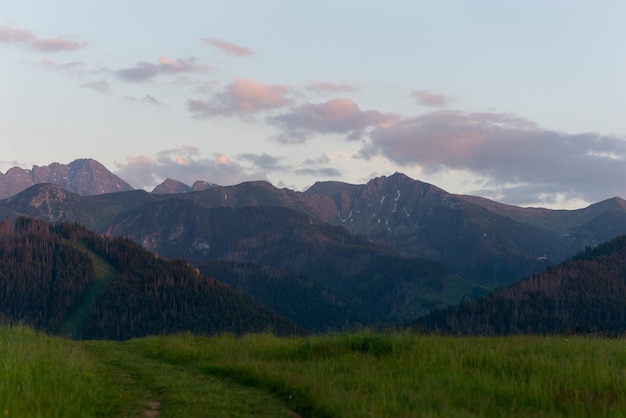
[(13, 35), (505, 149), (30, 39), (241, 97), (324, 87), (228, 47), (171, 66), (341, 115), (430, 99), (56, 44), (185, 164)]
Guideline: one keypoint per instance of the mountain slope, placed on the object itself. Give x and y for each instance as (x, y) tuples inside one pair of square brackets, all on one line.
[(488, 242), (374, 283), (584, 294), (419, 219)]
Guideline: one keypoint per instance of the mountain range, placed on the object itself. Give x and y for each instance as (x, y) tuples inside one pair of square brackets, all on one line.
[(387, 251), (484, 241)]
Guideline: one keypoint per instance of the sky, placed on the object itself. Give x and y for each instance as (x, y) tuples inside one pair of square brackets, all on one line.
[(522, 102)]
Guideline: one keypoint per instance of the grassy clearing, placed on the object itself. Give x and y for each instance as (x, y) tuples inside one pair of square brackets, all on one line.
[(358, 375), (348, 375), (73, 326)]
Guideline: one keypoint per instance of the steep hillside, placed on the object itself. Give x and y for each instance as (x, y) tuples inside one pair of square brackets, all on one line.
[(584, 294), (46, 272)]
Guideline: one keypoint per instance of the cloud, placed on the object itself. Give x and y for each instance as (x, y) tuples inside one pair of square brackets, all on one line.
[(228, 47), (67, 68), (319, 172), (144, 71), (23, 37), (322, 159), (512, 155), (171, 66), (101, 86), (185, 164), (265, 162), (430, 99), (241, 97), (151, 100), (342, 116), (324, 87)]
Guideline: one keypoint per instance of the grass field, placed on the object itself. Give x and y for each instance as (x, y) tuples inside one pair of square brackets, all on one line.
[(359, 374)]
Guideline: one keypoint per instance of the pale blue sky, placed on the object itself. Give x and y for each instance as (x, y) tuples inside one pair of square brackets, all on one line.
[(521, 102)]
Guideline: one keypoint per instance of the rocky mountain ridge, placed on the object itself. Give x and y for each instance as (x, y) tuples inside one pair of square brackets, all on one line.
[(83, 176), (487, 242)]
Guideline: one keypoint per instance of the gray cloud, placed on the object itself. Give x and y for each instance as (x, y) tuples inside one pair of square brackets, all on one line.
[(241, 97), (101, 86), (144, 71), (322, 159), (430, 99), (185, 164), (319, 172), (15, 36), (151, 100), (342, 116), (506, 150), (264, 161)]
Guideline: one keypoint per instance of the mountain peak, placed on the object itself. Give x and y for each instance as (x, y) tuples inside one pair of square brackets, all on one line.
[(82, 176), (171, 186)]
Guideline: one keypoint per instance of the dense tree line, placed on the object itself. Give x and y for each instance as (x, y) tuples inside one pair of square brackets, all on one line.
[(154, 295), (296, 296), (45, 271), (584, 294), (42, 276)]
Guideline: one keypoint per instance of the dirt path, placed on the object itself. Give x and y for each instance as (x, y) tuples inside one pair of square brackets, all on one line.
[(160, 389)]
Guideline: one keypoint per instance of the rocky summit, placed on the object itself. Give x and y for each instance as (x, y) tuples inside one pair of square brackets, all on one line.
[(84, 177)]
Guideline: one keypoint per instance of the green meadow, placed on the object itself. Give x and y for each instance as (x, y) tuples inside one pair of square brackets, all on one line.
[(360, 374)]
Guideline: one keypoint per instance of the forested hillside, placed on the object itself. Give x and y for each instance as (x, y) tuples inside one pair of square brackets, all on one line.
[(584, 294), (42, 275), (46, 270)]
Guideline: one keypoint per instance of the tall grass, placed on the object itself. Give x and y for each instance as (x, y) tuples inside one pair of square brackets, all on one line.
[(377, 375), (42, 376), (362, 374)]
